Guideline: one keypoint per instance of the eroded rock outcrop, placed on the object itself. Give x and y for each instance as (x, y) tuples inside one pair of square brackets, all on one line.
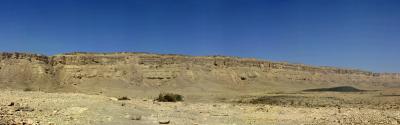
[(21, 70), (104, 71)]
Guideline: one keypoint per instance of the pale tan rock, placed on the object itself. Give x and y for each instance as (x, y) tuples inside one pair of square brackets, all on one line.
[(103, 72), (74, 110)]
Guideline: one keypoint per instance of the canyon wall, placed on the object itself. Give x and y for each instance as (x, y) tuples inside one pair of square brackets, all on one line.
[(131, 71)]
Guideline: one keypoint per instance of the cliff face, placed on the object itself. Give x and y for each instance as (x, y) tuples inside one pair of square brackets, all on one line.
[(19, 70), (134, 71)]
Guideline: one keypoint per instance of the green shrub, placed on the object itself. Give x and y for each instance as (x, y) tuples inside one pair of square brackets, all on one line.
[(169, 97)]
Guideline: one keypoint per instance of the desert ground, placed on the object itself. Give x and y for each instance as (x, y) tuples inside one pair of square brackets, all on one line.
[(300, 108)]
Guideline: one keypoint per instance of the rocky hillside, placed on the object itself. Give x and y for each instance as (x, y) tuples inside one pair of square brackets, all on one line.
[(117, 73)]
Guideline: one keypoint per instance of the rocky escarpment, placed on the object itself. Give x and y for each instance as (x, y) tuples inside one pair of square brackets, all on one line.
[(130, 72), (20, 70)]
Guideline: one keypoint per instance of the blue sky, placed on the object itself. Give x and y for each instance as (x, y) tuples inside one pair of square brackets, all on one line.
[(361, 34)]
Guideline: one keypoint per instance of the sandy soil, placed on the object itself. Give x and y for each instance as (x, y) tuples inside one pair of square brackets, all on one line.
[(20, 107)]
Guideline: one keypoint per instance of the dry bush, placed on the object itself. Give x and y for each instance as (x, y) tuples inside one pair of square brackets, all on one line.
[(169, 97), (28, 89), (124, 98)]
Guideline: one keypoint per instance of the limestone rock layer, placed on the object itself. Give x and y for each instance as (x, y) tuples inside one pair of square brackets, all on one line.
[(102, 72)]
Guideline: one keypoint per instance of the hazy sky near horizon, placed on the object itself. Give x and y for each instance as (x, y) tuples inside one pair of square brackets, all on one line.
[(361, 34)]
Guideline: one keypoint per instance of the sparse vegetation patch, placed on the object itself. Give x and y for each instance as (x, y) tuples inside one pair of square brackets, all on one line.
[(124, 98), (28, 89), (169, 97)]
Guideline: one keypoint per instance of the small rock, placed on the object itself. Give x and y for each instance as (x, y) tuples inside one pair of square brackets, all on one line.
[(109, 118), (127, 116), (136, 117), (11, 104), (113, 98), (164, 121), (30, 121), (25, 109), (74, 110)]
